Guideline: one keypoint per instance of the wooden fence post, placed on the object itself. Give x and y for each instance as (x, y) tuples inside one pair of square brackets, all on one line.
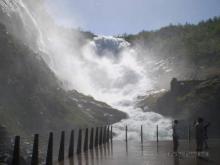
[(62, 147), (86, 140), (35, 151), (49, 159), (97, 137), (111, 134), (71, 144), (126, 133), (107, 134), (16, 152), (104, 135), (157, 135), (141, 134), (79, 144), (100, 136), (91, 144)]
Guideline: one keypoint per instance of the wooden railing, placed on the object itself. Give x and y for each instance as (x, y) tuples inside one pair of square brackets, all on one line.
[(91, 139), (103, 135)]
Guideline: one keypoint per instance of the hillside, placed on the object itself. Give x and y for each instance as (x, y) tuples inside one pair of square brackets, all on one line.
[(31, 99), (193, 50)]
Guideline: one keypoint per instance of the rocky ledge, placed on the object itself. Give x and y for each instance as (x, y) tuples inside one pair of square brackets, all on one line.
[(187, 100)]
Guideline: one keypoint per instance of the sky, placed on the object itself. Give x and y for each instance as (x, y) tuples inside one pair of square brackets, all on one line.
[(114, 17)]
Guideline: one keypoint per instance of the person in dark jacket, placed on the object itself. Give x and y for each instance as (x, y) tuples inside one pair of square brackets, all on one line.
[(199, 134), (205, 140), (175, 136)]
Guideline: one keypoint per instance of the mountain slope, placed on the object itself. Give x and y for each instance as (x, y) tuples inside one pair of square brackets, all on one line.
[(193, 50), (31, 99)]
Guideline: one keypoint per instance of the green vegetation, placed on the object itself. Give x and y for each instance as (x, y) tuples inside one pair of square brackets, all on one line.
[(198, 45)]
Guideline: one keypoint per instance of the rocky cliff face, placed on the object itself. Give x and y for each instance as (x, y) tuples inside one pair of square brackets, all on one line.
[(31, 99), (188, 100)]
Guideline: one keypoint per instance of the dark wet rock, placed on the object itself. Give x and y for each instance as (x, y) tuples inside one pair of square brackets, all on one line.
[(188, 100)]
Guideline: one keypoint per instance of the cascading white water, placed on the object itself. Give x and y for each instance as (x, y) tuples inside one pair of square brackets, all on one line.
[(118, 79), (106, 68)]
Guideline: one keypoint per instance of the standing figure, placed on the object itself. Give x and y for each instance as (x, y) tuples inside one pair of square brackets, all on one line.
[(199, 134), (206, 135), (175, 136)]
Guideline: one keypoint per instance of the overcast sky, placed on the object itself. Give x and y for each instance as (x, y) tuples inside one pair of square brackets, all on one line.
[(112, 17)]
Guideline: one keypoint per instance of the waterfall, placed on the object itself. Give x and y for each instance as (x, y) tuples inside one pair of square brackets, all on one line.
[(106, 67)]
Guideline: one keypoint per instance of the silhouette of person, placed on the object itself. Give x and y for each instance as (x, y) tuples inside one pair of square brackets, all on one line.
[(206, 134), (175, 136), (173, 84), (199, 134)]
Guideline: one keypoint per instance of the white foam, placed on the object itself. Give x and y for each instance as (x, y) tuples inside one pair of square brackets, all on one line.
[(106, 68)]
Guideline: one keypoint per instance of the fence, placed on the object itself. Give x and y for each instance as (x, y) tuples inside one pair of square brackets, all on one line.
[(101, 136), (77, 142)]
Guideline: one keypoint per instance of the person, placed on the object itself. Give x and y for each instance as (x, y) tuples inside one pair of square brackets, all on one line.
[(206, 135), (175, 136), (199, 134), (173, 84)]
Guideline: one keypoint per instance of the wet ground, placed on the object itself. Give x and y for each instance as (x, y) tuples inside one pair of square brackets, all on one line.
[(149, 153)]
